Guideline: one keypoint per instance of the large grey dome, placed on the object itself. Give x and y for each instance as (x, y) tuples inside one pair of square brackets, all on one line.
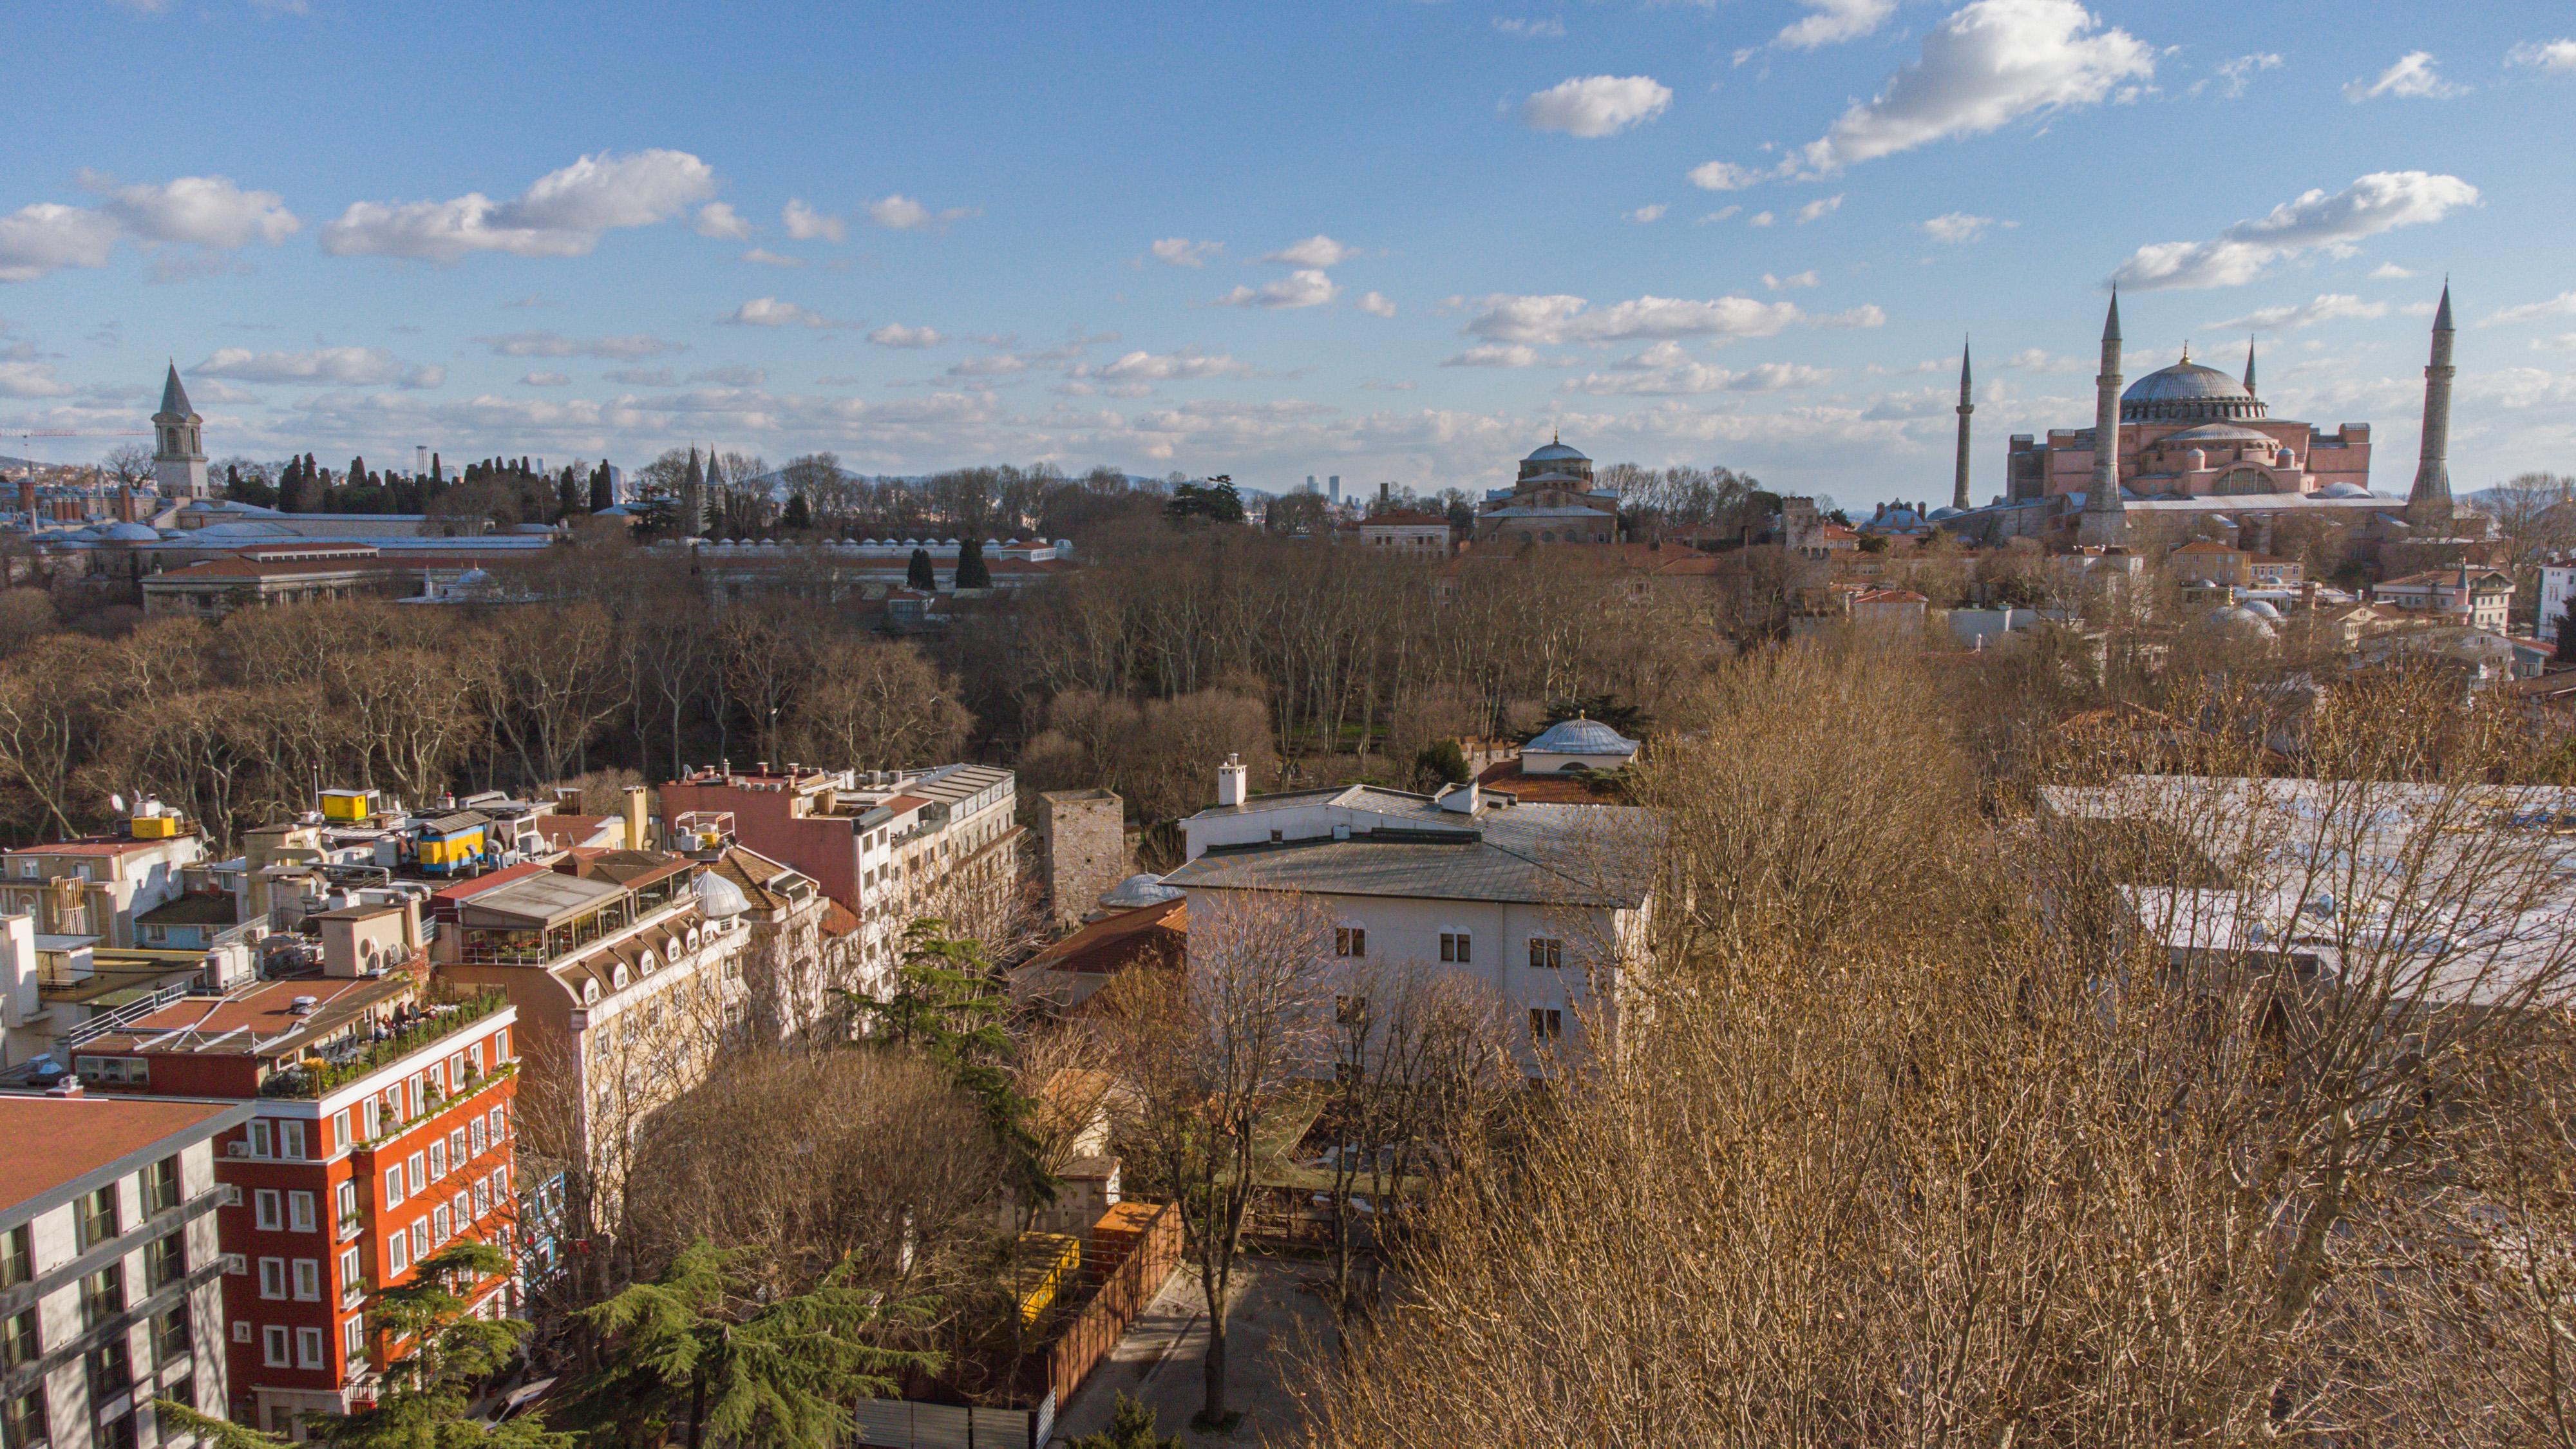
[(2188, 392), (1580, 737), (1138, 890), (1556, 453)]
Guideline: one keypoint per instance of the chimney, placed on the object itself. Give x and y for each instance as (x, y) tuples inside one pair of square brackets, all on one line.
[(1462, 798), (634, 817), (27, 495), (1229, 781)]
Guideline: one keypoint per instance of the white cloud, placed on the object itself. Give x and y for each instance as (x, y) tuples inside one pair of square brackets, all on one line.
[(2389, 272), (563, 215), (2563, 342), (41, 238), (208, 211), (763, 256), (1645, 214), (1184, 365), (1987, 65), (1530, 29), (901, 213), (895, 334), (1834, 22), (1868, 314), (2040, 359), (1306, 287), (1376, 304), (2555, 56), (1664, 371), (804, 223), (1494, 354), (1794, 279), (2378, 202), (1760, 218), (2412, 77), (734, 376), (719, 219), (1180, 251), (770, 312), (1596, 105), (993, 364), (1725, 176), (2326, 307), (32, 380), (2562, 305), (1958, 228), (1822, 206), (545, 379), (333, 366), (2233, 76), (1318, 250), (1721, 214), (642, 376), (1554, 320), (629, 348)]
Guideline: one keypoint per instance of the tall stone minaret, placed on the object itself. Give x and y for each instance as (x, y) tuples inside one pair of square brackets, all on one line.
[(2106, 519), (2249, 365), (179, 453), (1959, 475), (2428, 504)]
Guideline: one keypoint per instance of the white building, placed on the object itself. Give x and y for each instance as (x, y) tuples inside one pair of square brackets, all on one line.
[(2557, 593), (2477, 598), (1546, 904), (111, 1274)]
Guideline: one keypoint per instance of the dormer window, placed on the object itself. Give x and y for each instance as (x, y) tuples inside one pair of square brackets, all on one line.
[(589, 991), (617, 977)]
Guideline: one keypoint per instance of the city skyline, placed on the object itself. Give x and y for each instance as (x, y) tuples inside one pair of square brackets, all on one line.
[(1391, 241)]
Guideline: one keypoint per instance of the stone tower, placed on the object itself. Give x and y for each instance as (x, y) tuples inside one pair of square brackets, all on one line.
[(178, 453), (1959, 474), (1082, 849), (2106, 519), (2428, 503)]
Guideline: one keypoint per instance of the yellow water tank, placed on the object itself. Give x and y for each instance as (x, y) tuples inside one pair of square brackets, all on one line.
[(354, 805), (155, 827)]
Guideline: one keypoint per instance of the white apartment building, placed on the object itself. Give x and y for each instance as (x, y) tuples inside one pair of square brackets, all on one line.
[(111, 1272)]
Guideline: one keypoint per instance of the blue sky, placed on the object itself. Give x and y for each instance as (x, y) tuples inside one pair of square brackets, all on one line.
[(1384, 239)]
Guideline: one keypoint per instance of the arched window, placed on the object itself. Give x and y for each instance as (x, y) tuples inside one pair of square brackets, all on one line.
[(589, 990), (617, 977)]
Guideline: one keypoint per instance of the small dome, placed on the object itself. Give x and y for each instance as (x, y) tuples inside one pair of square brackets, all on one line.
[(2238, 619), (2343, 490), (130, 533), (1580, 737), (719, 898), (2262, 608), (1946, 511), (1138, 890)]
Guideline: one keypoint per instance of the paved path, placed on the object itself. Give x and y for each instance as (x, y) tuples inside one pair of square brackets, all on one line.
[(1275, 1316)]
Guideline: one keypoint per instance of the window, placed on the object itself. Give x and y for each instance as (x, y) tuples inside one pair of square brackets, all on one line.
[(474, 1058), (420, 1240), (1453, 945), (172, 1337), (464, 1205), (438, 1159), (1546, 1025), (1350, 1010), (22, 1418), (481, 1139), (111, 1369), (352, 1272), (340, 1128), (17, 1256), (264, 1204), (299, 1212), (393, 1185), (482, 1198), (1350, 940), (397, 1255), (456, 1147), (308, 1348), (372, 1112), (308, 1279), (1547, 953), (166, 1261), (272, 1277), (102, 1295), (21, 1340), (419, 1173), (161, 1186), (344, 1198), (497, 1121), (272, 1345), (501, 1045), (290, 1139), (353, 1338), (442, 1226), (259, 1139), (98, 1220)]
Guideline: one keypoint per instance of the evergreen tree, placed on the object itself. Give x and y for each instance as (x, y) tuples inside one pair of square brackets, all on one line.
[(920, 575), (569, 497), (2567, 638), (1442, 763), (436, 469), (1131, 1426), (971, 572), (603, 496), (796, 516)]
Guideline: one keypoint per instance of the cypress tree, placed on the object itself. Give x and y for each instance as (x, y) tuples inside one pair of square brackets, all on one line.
[(796, 516), (920, 575), (602, 496), (569, 497), (971, 572)]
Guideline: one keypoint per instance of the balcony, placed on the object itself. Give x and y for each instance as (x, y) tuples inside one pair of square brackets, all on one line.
[(355, 1292), (349, 1226), (345, 1062)]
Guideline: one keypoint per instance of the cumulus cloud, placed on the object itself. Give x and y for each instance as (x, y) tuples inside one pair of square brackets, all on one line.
[(895, 334), (1987, 65), (334, 366), (47, 236), (902, 213), (1494, 354), (2389, 272), (1958, 228), (1305, 287), (1794, 279), (1760, 218), (2233, 76), (1835, 21), (1180, 251), (2562, 305), (2040, 359), (546, 379), (1596, 105), (2413, 77), (1376, 304), (2555, 56), (1318, 250), (207, 211), (1184, 365), (1645, 214), (642, 376), (2378, 202), (764, 257), (23, 379), (993, 364), (1549, 321), (1725, 176), (1867, 314), (735, 376), (630, 347), (719, 220), (771, 312), (1663, 370), (804, 223), (563, 215), (1530, 29), (1721, 214), (1822, 206), (2325, 307)]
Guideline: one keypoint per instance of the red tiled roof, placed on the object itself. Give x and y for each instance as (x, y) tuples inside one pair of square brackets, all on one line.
[(1543, 789), (1107, 946), (481, 883), (46, 1142), (247, 568), (562, 831)]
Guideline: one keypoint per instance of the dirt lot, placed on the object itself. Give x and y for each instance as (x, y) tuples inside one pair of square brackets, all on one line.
[(1275, 1316)]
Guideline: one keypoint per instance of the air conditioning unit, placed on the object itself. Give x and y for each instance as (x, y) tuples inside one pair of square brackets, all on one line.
[(236, 1264), (236, 1149)]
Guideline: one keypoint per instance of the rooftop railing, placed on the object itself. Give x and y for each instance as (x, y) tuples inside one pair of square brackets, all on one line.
[(367, 1055)]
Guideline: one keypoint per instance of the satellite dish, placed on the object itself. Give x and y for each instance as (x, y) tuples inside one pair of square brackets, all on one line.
[(118, 801)]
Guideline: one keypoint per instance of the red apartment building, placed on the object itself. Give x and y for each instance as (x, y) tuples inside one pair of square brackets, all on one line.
[(382, 1130)]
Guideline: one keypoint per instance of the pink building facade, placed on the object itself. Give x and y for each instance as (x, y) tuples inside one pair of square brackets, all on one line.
[(2191, 431)]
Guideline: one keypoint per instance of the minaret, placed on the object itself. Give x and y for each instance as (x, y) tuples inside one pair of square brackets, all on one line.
[(2106, 520), (2428, 504), (1959, 476), (2249, 364), (179, 454)]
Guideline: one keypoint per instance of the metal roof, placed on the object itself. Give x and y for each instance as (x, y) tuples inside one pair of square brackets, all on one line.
[(1559, 855), (542, 900)]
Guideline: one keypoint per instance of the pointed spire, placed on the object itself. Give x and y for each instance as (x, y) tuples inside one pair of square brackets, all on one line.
[(1963, 369), (2442, 314), (2111, 324), (174, 398), (2249, 362), (2186, 349)]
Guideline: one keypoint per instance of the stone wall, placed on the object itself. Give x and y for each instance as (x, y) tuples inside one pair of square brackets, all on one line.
[(1082, 848)]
